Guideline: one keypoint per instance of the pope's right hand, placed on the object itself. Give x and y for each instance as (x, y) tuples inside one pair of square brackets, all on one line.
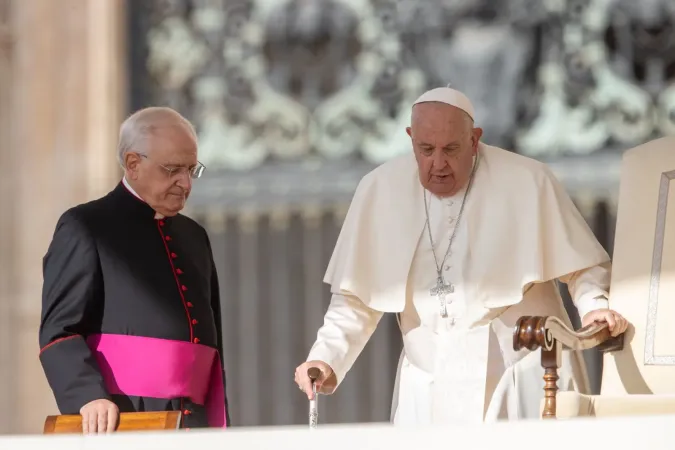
[(325, 384), (99, 416)]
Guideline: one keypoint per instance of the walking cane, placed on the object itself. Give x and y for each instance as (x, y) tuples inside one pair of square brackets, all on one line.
[(314, 373)]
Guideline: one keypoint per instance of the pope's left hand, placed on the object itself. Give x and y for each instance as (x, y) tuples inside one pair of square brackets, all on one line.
[(617, 323)]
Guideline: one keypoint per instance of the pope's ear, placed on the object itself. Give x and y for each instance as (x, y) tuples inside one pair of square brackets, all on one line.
[(477, 133), (409, 131)]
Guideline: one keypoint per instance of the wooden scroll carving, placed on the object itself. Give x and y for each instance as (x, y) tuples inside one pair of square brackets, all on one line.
[(552, 335)]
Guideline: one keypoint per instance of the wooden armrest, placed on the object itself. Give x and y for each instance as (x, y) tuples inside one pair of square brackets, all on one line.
[(139, 421), (533, 332), (551, 334)]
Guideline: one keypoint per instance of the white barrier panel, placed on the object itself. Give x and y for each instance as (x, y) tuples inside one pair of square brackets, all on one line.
[(630, 433)]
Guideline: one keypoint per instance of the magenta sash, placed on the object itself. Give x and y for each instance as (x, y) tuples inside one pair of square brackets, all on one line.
[(162, 368)]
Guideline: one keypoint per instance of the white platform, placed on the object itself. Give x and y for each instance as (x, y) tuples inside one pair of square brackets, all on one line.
[(653, 433)]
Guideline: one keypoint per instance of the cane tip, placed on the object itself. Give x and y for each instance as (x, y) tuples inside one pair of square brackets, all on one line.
[(314, 373)]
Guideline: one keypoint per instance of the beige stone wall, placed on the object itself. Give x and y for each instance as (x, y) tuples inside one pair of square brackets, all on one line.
[(61, 100)]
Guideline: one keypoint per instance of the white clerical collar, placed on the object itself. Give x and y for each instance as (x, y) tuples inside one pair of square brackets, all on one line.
[(130, 189)]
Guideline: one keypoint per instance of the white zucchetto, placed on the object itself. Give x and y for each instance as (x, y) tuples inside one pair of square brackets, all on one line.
[(448, 96)]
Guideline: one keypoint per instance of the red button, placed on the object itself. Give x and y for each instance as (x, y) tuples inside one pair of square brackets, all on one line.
[(196, 340), (194, 321), (183, 288), (168, 238), (173, 255), (189, 304), (179, 272), (187, 412)]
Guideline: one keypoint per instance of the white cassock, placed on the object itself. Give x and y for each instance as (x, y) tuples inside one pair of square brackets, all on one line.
[(518, 234)]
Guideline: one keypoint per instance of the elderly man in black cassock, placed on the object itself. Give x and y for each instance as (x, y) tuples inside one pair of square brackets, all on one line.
[(130, 304)]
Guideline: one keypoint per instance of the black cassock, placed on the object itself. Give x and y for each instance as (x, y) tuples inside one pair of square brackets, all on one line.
[(113, 269)]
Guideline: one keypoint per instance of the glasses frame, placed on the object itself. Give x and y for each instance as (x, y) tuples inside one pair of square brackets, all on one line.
[(195, 172)]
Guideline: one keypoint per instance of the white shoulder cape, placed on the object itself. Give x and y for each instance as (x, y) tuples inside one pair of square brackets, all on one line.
[(523, 228)]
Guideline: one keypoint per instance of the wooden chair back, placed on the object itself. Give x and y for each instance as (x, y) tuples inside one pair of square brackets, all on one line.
[(139, 421)]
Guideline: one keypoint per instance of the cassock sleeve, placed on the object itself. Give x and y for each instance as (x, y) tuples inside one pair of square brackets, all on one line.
[(71, 290), (216, 307), (348, 325), (589, 288)]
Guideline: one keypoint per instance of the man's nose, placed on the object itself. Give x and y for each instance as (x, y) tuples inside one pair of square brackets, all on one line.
[(438, 160), (184, 180)]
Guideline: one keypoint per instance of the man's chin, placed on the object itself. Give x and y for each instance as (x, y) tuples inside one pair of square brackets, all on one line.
[(172, 210), (443, 189)]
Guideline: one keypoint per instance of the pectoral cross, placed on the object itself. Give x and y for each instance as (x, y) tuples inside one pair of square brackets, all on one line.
[(441, 290)]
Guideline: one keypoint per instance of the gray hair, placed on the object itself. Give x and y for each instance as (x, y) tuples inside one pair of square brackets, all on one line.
[(144, 123)]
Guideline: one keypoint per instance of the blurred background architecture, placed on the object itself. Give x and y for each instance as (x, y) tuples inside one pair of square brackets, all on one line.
[(294, 101)]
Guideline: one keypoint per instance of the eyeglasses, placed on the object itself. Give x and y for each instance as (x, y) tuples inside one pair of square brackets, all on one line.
[(193, 171)]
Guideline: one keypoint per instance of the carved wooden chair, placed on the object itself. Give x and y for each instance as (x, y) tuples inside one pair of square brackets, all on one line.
[(638, 377), (141, 421)]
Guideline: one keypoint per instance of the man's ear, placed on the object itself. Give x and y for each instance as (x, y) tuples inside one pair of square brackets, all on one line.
[(131, 162), (409, 131), (476, 134)]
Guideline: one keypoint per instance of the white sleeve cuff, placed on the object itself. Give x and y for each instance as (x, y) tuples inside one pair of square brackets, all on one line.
[(588, 304), (321, 352)]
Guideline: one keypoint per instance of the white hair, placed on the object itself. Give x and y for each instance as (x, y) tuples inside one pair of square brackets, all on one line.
[(142, 124)]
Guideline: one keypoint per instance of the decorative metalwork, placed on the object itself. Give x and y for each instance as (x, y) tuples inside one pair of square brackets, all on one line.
[(606, 77), (269, 80)]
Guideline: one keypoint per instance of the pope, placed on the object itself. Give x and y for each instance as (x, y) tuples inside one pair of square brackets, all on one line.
[(459, 239)]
